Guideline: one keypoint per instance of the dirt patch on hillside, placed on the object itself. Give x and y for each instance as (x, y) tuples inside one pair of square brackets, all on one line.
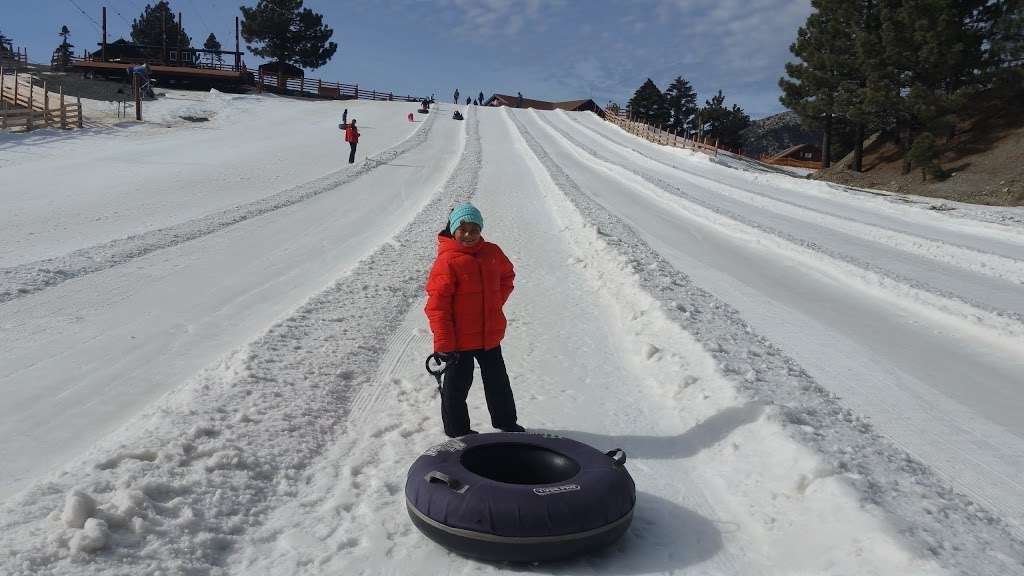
[(984, 161)]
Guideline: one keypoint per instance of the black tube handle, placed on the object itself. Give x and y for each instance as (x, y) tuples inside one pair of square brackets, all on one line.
[(435, 476), (618, 456)]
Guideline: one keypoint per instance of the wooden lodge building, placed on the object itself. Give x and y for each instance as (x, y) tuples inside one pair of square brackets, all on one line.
[(801, 155), (169, 63), (569, 105)]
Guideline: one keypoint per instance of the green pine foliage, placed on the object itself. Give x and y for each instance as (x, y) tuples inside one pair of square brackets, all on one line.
[(213, 44), (156, 20), (648, 105), (903, 66), (64, 52), (286, 32), (722, 123), (681, 102), (924, 154)]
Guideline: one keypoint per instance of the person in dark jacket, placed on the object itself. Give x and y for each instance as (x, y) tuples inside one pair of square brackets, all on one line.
[(468, 285), (519, 100), (480, 98), (352, 137), (456, 95)]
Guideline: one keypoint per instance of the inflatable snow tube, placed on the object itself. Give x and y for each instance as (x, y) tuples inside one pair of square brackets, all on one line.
[(520, 497)]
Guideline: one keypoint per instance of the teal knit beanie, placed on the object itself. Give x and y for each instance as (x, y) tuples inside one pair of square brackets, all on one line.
[(464, 212)]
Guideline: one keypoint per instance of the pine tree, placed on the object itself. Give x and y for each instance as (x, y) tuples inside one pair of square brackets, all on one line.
[(681, 101), (1006, 35), (287, 32), (722, 123), (924, 153), (157, 26), (213, 44), (936, 49), (64, 53), (826, 48), (648, 105)]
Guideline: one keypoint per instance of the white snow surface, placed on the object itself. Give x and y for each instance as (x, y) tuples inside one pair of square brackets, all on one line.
[(212, 344)]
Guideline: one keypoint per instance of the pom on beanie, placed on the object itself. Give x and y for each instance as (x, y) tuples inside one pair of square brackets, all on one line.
[(465, 212)]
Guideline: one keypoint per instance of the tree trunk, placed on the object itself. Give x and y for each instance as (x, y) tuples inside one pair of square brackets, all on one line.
[(826, 143), (907, 141), (858, 149)]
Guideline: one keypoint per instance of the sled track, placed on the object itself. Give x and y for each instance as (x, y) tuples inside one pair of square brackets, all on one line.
[(1005, 322), (31, 277), (925, 246), (292, 387), (980, 542)]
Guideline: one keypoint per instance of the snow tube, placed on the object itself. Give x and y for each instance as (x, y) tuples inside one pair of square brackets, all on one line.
[(520, 497)]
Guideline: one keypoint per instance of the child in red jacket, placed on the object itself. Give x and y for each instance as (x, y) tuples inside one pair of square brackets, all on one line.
[(468, 285)]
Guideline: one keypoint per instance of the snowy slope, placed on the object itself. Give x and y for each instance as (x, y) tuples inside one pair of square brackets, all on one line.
[(238, 387)]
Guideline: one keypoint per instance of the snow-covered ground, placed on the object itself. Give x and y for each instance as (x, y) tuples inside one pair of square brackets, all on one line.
[(211, 346)]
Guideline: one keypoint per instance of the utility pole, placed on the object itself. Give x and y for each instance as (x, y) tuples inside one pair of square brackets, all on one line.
[(103, 50)]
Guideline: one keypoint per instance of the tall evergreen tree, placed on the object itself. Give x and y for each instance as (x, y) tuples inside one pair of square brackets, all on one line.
[(287, 32), (64, 54), (681, 101), (826, 48), (648, 105), (722, 123), (213, 44), (937, 48), (157, 26)]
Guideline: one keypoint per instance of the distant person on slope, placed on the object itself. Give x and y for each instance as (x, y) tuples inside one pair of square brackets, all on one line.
[(469, 283), (352, 137), (456, 95), (480, 98)]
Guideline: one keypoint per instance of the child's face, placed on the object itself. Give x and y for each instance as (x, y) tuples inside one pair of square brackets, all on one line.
[(467, 234)]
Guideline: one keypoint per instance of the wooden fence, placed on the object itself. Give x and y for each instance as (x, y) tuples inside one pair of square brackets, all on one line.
[(324, 89), (14, 57), (659, 135), (791, 162), (25, 103)]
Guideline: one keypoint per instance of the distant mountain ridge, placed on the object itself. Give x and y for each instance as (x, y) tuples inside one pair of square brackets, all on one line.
[(776, 133)]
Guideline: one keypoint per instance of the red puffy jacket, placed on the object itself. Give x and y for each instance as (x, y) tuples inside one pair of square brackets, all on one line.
[(351, 133), (466, 291)]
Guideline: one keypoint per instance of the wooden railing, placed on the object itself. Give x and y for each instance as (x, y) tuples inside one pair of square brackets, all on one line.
[(14, 57), (660, 136), (324, 89), (24, 103), (202, 64), (791, 162)]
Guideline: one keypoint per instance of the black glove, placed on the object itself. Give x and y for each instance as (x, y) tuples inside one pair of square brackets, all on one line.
[(449, 358)]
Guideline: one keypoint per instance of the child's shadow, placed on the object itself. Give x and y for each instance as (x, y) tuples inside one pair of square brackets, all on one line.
[(707, 433)]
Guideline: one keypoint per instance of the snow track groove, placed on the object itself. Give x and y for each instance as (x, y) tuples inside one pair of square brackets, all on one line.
[(962, 535), (257, 421), (950, 254), (30, 277), (1005, 330)]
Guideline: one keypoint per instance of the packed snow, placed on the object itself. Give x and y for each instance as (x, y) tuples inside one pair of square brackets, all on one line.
[(212, 344)]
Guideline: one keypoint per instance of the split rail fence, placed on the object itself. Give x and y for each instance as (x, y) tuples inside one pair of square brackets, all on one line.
[(27, 104), (324, 89), (660, 136)]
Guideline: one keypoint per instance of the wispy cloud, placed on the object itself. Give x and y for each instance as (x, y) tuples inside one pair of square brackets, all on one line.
[(502, 19)]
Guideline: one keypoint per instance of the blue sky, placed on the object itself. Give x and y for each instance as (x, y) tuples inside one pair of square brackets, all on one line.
[(547, 49)]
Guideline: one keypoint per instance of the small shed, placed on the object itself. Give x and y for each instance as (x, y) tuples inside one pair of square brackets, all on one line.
[(800, 152)]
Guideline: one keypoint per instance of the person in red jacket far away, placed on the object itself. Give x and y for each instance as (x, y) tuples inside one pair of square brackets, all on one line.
[(468, 285), (352, 137)]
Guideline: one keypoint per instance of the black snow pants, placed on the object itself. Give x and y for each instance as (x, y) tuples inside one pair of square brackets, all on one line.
[(458, 378), (352, 154)]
